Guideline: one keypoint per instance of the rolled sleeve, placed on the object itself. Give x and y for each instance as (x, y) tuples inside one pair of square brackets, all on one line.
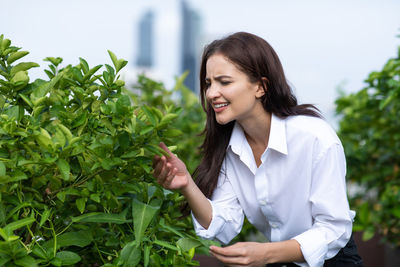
[(227, 215), (332, 216), (223, 227)]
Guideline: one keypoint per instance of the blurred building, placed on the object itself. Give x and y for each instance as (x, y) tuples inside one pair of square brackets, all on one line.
[(190, 40), (179, 41), (144, 58)]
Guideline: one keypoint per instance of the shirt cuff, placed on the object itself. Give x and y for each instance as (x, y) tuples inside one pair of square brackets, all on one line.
[(216, 228), (314, 247)]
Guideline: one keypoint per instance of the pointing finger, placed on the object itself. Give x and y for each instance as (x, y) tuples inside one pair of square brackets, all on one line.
[(227, 251), (165, 148)]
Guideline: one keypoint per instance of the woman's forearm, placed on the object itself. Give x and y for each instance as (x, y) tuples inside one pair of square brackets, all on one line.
[(198, 203), (284, 251)]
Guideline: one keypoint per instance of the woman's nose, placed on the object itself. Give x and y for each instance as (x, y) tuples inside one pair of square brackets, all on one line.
[(212, 92)]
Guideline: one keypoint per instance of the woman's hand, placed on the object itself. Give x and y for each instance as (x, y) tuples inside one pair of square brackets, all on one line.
[(170, 171), (258, 254), (242, 254)]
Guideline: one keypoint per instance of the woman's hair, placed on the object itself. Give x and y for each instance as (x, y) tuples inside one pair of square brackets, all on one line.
[(257, 59)]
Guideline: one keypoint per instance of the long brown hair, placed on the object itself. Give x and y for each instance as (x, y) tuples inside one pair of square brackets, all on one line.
[(257, 59)]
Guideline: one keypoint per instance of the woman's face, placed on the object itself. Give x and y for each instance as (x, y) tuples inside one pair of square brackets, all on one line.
[(229, 91)]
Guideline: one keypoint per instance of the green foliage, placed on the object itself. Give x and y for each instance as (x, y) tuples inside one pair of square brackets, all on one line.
[(75, 166), (369, 130)]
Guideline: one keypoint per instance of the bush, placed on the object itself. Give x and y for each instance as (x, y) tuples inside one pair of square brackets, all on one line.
[(369, 130), (75, 167)]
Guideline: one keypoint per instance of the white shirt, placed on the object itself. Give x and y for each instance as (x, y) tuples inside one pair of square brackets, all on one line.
[(298, 192)]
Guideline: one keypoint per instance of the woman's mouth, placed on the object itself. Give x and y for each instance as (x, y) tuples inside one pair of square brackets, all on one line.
[(220, 107)]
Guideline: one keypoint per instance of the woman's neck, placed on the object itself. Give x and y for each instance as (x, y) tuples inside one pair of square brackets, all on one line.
[(257, 129)]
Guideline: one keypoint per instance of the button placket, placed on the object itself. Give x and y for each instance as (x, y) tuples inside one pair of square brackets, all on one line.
[(261, 185)]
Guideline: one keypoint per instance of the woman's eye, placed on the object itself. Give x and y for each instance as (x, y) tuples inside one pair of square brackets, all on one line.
[(225, 82)]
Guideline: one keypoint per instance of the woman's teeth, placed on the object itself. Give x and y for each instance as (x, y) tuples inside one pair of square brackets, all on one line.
[(220, 105)]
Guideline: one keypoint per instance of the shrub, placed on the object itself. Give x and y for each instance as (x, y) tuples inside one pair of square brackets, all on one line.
[(75, 167), (369, 130)]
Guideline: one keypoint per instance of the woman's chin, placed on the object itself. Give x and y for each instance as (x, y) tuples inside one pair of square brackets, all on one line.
[(222, 121)]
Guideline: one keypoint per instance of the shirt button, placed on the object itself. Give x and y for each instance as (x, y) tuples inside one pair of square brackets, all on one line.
[(274, 225)]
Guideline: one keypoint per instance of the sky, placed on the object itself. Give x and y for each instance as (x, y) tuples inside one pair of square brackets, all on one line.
[(323, 45)]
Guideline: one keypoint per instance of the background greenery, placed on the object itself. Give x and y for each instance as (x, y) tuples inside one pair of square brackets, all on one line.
[(370, 131)]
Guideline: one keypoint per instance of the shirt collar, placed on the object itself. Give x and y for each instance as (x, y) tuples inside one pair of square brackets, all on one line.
[(277, 137), (237, 139)]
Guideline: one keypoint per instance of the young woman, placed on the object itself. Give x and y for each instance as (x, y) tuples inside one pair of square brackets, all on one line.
[(265, 157)]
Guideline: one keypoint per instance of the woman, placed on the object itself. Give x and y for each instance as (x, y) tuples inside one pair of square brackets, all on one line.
[(266, 157)]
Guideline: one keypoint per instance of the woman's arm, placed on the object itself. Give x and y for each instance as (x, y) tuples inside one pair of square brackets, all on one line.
[(258, 254), (172, 174)]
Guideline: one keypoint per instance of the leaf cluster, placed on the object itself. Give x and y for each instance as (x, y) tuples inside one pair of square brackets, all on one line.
[(369, 130), (75, 166)]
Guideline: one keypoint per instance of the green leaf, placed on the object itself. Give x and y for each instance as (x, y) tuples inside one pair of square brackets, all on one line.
[(146, 255), (364, 214), (81, 203), (172, 132), (118, 63), (165, 244), (2, 101), (84, 65), (23, 66), (131, 254), (45, 215), (26, 99), (98, 217), (2, 169), (17, 208), (169, 228), (77, 74), (20, 78), (396, 211), (368, 234), (4, 234), (2, 214), (4, 45), (392, 95), (146, 129), (95, 197), (168, 118), (59, 138), (16, 55), (65, 131), (142, 216), (149, 114), (13, 112), (80, 239), (188, 243), (18, 224), (113, 58), (68, 257), (61, 196), (56, 261), (53, 60), (26, 261), (44, 139), (39, 252), (80, 120), (16, 176), (91, 72), (64, 168), (4, 260)]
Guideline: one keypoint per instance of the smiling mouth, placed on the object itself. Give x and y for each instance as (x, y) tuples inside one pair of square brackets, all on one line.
[(220, 105)]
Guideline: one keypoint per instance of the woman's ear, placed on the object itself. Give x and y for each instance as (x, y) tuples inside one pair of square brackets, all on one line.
[(262, 87)]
